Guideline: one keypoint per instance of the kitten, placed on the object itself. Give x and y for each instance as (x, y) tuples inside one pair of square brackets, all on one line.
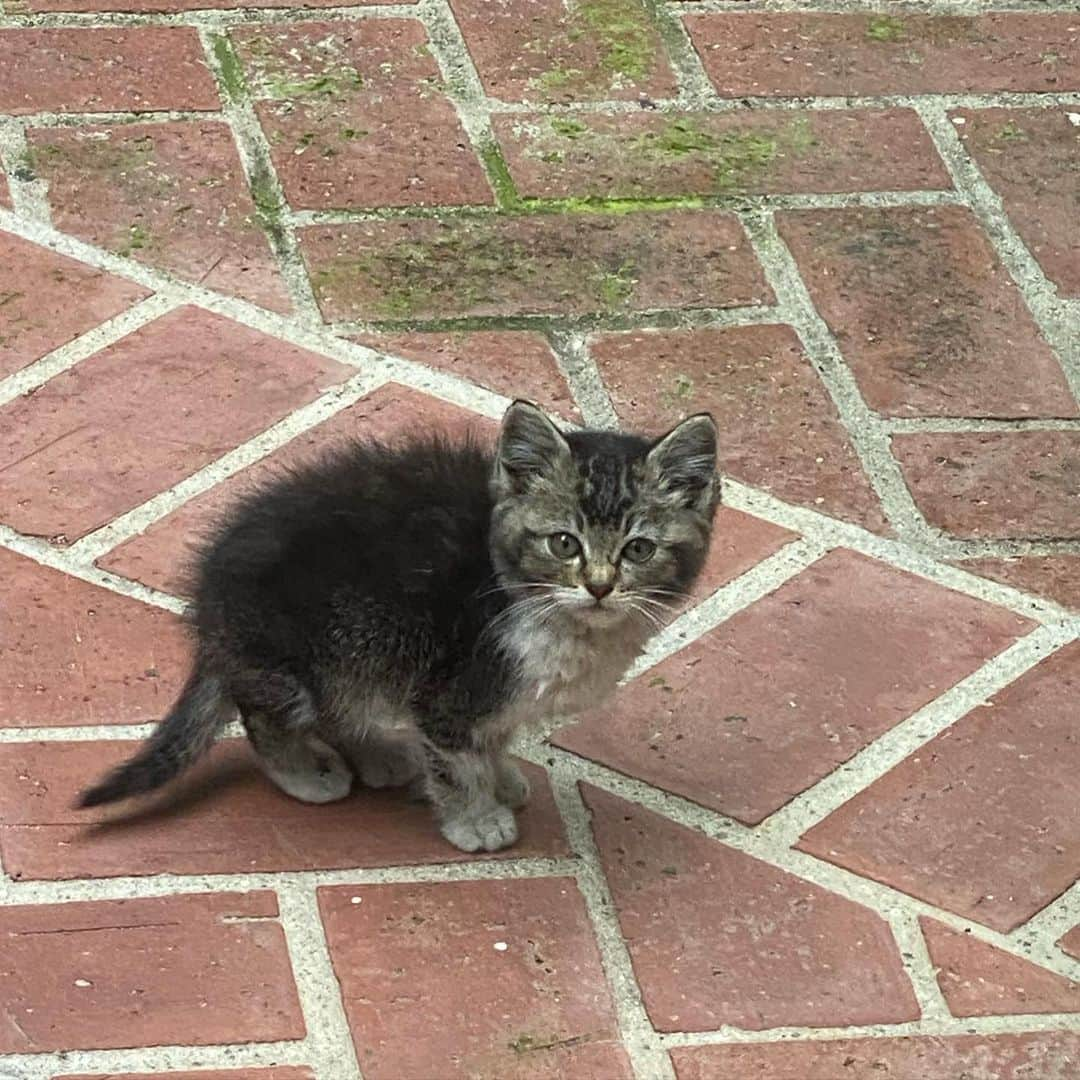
[(397, 612)]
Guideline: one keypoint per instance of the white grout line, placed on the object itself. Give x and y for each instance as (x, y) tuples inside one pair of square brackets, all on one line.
[(878, 897), (919, 967), (1053, 922), (30, 197), (329, 1043), (337, 399), (100, 337), (638, 1036), (815, 804), (874, 7), (583, 378), (945, 424), (870, 443), (1053, 316), (934, 1026)]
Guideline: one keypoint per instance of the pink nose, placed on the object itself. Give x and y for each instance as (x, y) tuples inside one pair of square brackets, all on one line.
[(599, 589)]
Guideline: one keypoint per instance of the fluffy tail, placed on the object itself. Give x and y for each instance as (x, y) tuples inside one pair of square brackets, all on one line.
[(183, 736)]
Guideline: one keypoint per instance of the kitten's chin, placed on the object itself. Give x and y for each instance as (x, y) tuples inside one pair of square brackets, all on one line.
[(599, 616)]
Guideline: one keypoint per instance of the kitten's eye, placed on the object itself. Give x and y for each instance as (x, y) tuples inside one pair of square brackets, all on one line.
[(639, 550), (563, 545)]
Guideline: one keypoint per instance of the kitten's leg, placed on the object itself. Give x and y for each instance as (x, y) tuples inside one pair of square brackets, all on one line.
[(385, 760), (511, 787), (299, 762), (461, 785)]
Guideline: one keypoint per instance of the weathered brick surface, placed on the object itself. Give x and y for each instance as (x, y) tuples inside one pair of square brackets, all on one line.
[(542, 50), (171, 195), (74, 653), (1019, 484), (147, 6), (649, 154), (984, 819), (925, 314), (717, 937), (739, 542), (160, 555), (779, 695), (141, 415), (198, 969), (778, 428), (472, 978), (143, 69), (284, 1072), (513, 363), (781, 54), (1031, 157), (1055, 577), (926, 1057), (47, 299), (224, 817), (356, 116), (1070, 943), (980, 980), (531, 265)]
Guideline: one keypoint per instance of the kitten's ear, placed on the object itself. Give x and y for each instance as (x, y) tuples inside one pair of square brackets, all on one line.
[(683, 462), (530, 446)]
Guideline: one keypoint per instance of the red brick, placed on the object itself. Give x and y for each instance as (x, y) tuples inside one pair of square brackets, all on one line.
[(180, 5), (1031, 157), (774, 699), (925, 314), (171, 195), (1037, 1056), (739, 542), (78, 654), (774, 54), (543, 50), (980, 980), (282, 1072), (651, 154), (159, 555), (142, 414), (1070, 943), (984, 820), (472, 978), (1009, 484), (356, 116), (5, 191), (224, 817), (778, 427), (512, 363), (196, 969), (717, 937), (47, 299), (118, 69), (1055, 577), (541, 265)]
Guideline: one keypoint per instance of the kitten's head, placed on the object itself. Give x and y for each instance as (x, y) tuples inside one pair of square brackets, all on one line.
[(601, 525)]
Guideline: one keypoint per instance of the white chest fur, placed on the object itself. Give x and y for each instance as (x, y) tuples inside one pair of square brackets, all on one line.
[(570, 667)]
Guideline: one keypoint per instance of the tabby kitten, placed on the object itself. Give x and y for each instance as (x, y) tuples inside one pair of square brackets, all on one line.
[(396, 613)]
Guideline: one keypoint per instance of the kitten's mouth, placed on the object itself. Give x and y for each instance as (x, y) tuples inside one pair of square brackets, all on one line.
[(599, 613)]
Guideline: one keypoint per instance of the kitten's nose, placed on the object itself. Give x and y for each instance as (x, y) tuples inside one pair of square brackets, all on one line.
[(599, 589)]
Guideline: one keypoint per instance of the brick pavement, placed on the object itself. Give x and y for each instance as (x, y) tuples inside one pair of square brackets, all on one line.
[(828, 827)]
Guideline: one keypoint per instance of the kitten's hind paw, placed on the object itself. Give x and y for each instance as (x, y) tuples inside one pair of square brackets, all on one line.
[(384, 765), (511, 787), (491, 829)]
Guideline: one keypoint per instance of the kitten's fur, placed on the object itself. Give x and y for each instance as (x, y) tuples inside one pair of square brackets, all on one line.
[(396, 613)]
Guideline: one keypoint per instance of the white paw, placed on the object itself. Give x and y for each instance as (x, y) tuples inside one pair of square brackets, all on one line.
[(511, 788), (386, 766), (322, 777), (491, 829)]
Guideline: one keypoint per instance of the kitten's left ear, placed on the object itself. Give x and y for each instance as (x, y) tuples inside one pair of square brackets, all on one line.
[(683, 462), (530, 447)]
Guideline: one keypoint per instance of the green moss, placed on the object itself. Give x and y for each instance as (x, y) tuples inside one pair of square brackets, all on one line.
[(268, 208), (230, 71), (552, 157), (734, 155), (625, 34), (567, 127), (138, 238), (885, 28), (1010, 132), (597, 205), (559, 77), (329, 84), (614, 288), (678, 393), (502, 183)]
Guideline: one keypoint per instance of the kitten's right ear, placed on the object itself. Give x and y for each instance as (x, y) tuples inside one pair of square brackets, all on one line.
[(530, 447)]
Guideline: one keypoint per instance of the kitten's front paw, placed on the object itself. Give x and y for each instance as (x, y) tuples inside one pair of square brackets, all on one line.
[(511, 787), (491, 829)]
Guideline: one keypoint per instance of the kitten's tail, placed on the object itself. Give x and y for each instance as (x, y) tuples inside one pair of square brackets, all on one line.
[(183, 736)]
